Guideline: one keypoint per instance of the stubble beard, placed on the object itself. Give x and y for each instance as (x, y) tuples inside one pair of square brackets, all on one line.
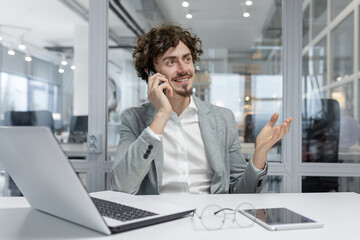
[(184, 92)]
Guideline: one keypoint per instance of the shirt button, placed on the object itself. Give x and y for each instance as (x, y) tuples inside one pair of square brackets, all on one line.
[(182, 149), (178, 124), (183, 172)]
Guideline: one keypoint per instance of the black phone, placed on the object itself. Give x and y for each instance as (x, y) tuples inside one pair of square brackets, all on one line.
[(152, 72)]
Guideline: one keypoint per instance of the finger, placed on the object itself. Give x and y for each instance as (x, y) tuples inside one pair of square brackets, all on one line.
[(169, 90), (288, 121), (283, 130), (150, 81), (273, 119), (166, 86), (275, 135), (154, 81)]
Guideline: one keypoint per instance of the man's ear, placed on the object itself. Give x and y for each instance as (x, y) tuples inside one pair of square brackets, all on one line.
[(146, 70)]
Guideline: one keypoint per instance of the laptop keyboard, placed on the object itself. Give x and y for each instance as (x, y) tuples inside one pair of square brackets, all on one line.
[(120, 212)]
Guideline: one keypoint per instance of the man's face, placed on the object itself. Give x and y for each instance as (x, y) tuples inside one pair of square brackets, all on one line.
[(176, 64)]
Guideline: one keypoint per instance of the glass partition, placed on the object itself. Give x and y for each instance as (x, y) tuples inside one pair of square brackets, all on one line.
[(44, 69), (319, 16), (343, 49), (306, 26), (330, 184), (337, 6), (273, 184), (330, 87)]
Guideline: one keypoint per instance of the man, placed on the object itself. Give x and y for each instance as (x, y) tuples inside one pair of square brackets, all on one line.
[(176, 142)]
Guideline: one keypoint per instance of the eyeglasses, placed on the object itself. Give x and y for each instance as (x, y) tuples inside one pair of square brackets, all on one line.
[(213, 217)]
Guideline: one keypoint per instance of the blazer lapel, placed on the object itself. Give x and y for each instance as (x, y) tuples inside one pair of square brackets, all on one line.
[(207, 126)]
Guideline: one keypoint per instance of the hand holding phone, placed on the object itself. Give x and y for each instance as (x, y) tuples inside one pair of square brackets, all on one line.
[(152, 72)]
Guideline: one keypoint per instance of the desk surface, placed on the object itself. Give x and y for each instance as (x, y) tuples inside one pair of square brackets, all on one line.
[(338, 211)]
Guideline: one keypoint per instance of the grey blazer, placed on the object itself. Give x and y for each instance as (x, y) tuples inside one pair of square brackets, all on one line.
[(138, 165)]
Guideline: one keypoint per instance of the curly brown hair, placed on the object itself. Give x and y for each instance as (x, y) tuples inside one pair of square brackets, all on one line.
[(157, 41)]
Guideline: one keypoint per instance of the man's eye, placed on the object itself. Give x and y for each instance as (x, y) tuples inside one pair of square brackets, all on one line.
[(170, 62), (188, 59)]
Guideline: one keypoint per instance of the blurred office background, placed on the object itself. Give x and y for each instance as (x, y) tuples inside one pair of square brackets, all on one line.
[(44, 78)]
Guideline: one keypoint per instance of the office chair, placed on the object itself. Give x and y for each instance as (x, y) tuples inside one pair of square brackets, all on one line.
[(29, 118), (321, 130), (78, 129), (24, 118), (254, 123), (320, 140)]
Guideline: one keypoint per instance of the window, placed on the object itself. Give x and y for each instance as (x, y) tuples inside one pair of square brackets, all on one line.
[(330, 114), (319, 9), (343, 49), (14, 93)]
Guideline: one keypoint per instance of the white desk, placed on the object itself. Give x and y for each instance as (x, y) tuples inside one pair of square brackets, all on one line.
[(338, 211)]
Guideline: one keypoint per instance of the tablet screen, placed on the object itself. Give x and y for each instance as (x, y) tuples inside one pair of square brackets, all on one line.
[(278, 216)]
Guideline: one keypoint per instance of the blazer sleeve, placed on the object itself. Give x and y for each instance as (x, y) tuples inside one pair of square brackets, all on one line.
[(243, 177), (134, 155)]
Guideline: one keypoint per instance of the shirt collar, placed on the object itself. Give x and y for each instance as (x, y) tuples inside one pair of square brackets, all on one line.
[(190, 109), (192, 104)]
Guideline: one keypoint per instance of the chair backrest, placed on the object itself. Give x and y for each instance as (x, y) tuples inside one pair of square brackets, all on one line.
[(29, 118), (321, 130), (253, 125), (78, 129)]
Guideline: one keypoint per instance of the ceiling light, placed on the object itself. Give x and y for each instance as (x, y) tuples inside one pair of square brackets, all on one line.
[(11, 52), (185, 4), (61, 70), (28, 58), (63, 60), (22, 46), (246, 14), (73, 67), (248, 3), (0, 38), (188, 16)]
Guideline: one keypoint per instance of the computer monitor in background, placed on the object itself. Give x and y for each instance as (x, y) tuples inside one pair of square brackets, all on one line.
[(78, 129), (29, 118)]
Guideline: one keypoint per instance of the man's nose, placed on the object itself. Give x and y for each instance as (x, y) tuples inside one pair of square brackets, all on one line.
[(182, 67)]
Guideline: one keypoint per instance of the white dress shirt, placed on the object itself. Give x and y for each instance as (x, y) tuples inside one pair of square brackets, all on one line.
[(185, 168)]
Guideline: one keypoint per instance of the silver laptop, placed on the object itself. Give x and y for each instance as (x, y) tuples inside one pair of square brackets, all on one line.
[(44, 175)]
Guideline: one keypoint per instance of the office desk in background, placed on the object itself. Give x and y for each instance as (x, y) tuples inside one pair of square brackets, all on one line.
[(79, 150), (339, 212)]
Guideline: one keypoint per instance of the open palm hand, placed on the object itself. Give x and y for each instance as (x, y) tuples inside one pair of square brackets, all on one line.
[(270, 133)]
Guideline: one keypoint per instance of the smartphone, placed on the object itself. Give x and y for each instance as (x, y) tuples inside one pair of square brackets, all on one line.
[(152, 72)]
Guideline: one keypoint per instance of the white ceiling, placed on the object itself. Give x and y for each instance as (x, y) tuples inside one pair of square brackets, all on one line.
[(219, 24), (50, 22)]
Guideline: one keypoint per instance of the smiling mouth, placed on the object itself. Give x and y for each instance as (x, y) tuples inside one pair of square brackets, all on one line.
[(182, 80)]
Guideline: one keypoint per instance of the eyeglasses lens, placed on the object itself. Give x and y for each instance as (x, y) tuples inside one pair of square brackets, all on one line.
[(212, 217), (241, 220)]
